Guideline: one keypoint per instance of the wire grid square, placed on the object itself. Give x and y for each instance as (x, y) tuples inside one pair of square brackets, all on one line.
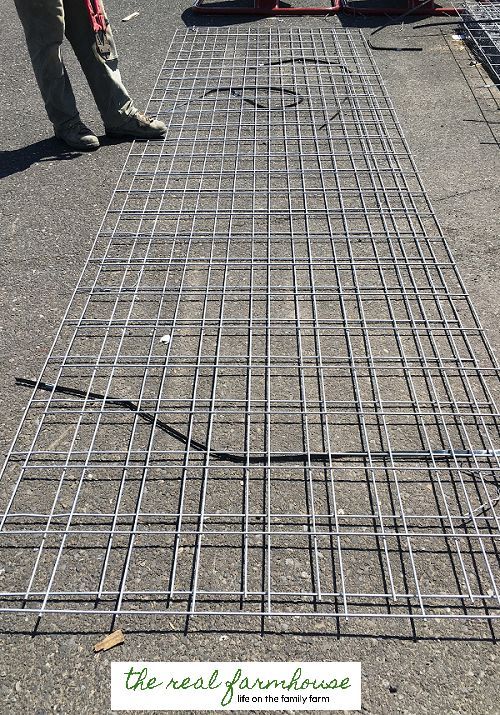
[(270, 394)]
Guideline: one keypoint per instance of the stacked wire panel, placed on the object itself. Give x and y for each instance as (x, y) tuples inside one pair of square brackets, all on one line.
[(481, 22), (270, 394)]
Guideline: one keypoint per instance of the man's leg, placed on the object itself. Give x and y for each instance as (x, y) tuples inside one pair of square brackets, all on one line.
[(103, 76), (43, 23), (116, 107)]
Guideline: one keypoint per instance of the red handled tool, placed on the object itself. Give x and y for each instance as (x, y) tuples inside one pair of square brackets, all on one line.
[(99, 25)]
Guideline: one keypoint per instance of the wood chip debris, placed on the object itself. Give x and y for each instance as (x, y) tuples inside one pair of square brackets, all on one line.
[(129, 17), (116, 638)]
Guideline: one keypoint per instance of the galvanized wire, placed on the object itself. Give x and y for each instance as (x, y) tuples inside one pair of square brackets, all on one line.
[(481, 23), (270, 393)]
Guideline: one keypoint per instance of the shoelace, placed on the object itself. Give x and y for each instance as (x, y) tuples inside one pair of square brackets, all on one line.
[(144, 118)]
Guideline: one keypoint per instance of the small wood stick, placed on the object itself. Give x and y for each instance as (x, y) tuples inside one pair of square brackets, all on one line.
[(116, 638), (129, 17)]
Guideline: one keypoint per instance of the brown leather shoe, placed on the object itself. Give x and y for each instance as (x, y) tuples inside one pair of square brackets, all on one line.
[(138, 126)]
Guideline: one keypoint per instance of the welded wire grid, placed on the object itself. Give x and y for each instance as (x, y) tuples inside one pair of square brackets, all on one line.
[(270, 393), (481, 22)]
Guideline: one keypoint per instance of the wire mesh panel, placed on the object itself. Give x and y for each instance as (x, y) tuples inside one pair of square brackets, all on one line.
[(482, 30), (270, 393)]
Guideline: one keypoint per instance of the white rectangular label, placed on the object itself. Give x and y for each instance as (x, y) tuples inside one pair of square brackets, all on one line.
[(236, 686)]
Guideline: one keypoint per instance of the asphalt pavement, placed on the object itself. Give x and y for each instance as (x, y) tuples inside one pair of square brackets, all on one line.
[(52, 202)]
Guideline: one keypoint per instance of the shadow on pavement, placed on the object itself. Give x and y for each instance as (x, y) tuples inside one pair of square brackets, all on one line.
[(77, 625), (191, 18), (17, 160)]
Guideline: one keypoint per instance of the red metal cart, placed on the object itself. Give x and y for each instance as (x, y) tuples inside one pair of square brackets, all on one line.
[(268, 7), (275, 7)]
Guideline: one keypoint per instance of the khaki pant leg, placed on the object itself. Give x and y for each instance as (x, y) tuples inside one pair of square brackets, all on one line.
[(43, 24), (103, 76)]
